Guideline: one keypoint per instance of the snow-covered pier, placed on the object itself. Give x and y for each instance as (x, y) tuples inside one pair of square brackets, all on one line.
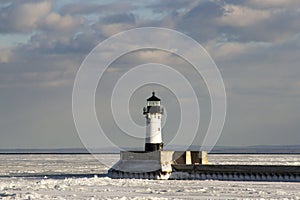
[(193, 165), (237, 172), (155, 163)]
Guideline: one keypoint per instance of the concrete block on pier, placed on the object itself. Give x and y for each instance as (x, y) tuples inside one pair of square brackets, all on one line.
[(140, 161)]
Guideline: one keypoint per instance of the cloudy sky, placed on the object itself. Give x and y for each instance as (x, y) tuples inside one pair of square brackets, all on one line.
[(255, 44)]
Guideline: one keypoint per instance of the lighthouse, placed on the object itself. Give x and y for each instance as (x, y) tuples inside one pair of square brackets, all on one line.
[(154, 162), (153, 114)]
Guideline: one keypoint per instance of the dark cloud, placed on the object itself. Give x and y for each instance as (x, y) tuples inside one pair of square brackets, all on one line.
[(127, 18), (200, 21), (169, 6), (83, 8)]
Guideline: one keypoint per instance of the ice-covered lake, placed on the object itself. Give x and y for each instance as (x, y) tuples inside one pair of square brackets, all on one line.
[(79, 176)]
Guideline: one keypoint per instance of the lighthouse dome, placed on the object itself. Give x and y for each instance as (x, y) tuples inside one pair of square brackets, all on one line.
[(153, 97)]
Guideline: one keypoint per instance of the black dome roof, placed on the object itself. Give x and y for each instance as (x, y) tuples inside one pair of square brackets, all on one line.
[(153, 97)]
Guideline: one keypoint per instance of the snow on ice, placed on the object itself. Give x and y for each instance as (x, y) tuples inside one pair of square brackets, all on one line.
[(83, 177)]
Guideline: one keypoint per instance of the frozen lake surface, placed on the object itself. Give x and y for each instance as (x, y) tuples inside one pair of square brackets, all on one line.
[(75, 176)]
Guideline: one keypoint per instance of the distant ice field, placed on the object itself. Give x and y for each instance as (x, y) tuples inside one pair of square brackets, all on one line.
[(82, 176), (255, 159)]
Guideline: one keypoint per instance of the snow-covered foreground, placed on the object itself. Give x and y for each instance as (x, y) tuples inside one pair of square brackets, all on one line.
[(72, 177), (106, 188)]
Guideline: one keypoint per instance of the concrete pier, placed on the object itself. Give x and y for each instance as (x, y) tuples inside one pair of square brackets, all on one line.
[(238, 172), (193, 165)]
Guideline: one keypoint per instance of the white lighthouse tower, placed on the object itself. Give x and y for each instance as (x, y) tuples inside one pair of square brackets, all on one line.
[(153, 113)]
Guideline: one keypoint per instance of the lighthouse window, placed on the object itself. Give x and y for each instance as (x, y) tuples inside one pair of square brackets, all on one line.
[(150, 103), (153, 103), (158, 117), (158, 129)]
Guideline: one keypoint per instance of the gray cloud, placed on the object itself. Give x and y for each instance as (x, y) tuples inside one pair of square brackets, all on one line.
[(21, 16), (83, 8), (202, 30), (169, 5), (119, 18), (273, 4)]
